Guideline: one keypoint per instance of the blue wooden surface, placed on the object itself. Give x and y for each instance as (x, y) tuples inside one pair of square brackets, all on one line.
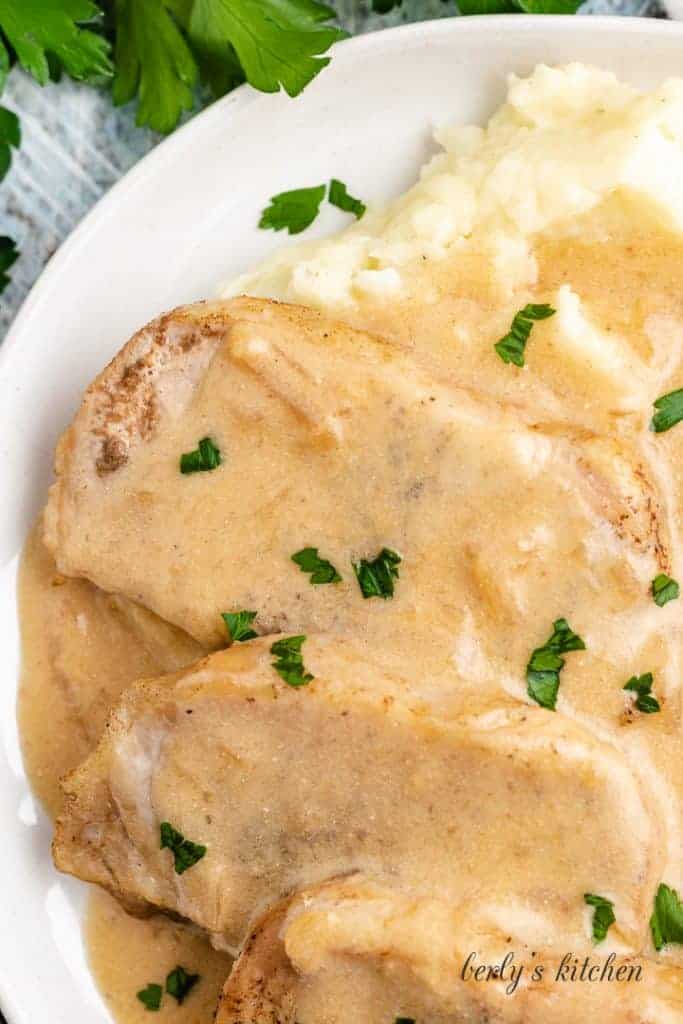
[(76, 145)]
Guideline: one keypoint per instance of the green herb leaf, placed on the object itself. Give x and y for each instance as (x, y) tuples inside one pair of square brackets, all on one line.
[(10, 135), (290, 664), (642, 685), (8, 256), (237, 625), (511, 347), (179, 983), (154, 62), (340, 198), (666, 922), (321, 570), (664, 589), (487, 7), (150, 997), (670, 411), (10, 128), (603, 915), (545, 664), (550, 6), (277, 42), (37, 28), (376, 578), (185, 853), (203, 459), (295, 210)]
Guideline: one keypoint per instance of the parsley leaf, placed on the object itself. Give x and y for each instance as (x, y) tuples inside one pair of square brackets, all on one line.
[(153, 60), (10, 135), (340, 198), (8, 256), (38, 28), (278, 42), (545, 664), (666, 922), (237, 625), (203, 459), (179, 983), (670, 411), (290, 663), (642, 685), (664, 589), (150, 997), (603, 915), (185, 853), (511, 347), (376, 578), (321, 570), (295, 210)]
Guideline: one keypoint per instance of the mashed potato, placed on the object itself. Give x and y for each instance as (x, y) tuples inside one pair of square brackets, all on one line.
[(565, 140)]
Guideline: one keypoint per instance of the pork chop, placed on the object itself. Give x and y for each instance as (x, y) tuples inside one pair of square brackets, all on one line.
[(320, 437), (278, 787), (349, 950)]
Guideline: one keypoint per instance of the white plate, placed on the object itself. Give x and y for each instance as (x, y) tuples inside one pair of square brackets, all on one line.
[(176, 226)]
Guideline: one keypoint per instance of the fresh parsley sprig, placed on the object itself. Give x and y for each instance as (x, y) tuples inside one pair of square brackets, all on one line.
[(512, 346), (545, 664), (10, 137)]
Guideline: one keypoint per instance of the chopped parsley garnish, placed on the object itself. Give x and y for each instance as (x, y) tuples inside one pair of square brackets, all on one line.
[(666, 922), (203, 459), (339, 197), (664, 589), (150, 997), (185, 853), (376, 578), (642, 686), (545, 664), (238, 625), (511, 347), (290, 663), (179, 983), (320, 569), (603, 915), (669, 411), (294, 211)]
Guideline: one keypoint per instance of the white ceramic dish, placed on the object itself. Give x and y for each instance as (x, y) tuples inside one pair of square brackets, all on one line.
[(180, 223)]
